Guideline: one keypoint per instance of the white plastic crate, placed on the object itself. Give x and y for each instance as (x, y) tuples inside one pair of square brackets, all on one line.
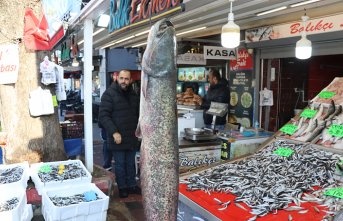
[(20, 184), (16, 213), (28, 213), (39, 185), (85, 211)]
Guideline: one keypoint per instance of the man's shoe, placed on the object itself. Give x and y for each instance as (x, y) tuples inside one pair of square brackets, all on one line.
[(108, 168), (135, 190), (123, 193)]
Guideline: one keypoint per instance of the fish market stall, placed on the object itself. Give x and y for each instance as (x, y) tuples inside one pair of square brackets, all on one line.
[(285, 180), (237, 144), (198, 148), (295, 175)]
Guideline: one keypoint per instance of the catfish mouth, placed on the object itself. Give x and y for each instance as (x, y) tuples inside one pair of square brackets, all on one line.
[(163, 27)]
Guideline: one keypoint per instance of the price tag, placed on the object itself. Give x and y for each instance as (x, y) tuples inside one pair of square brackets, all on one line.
[(326, 94), (308, 113), (89, 196), (335, 192), (289, 129), (336, 130), (45, 169), (284, 151)]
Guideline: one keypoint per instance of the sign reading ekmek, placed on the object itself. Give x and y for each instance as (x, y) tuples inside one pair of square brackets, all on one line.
[(220, 53), (127, 12)]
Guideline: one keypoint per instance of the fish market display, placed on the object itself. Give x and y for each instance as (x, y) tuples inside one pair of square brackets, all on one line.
[(61, 172), (309, 129), (267, 182), (11, 175), (335, 86), (9, 204), (158, 125), (326, 138), (69, 200)]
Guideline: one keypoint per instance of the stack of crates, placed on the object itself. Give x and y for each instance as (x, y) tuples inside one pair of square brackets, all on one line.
[(72, 133), (92, 210), (15, 190)]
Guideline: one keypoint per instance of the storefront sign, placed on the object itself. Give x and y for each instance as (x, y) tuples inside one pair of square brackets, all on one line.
[(219, 53), (189, 58), (314, 26), (9, 63), (244, 61), (127, 11)]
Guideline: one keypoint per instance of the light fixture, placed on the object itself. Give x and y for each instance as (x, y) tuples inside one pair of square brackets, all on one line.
[(116, 42), (142, 33), (303, 3), (75, 62), (189, 31), (230, 37), (94, 33), (271, 11), (138, 45), (303, 49), (103, 20)]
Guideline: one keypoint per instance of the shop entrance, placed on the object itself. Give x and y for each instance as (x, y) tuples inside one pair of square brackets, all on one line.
[(294, 83)]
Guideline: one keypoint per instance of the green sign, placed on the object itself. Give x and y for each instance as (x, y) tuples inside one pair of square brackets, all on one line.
[(289, 129), (336, 130), (308, 113), (45, 169), (326, 94), (284, 151), (335, 192)]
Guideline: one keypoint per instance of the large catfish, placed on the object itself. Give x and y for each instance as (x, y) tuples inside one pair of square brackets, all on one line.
[(158, 125)]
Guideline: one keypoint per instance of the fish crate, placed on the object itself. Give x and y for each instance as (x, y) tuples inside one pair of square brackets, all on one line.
[(85, 211), (19, 181), (16, 213), (28, 213), (55, 180), (71, 130)]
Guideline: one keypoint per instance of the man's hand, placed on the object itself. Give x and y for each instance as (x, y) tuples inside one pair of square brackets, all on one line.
[(117, 138)]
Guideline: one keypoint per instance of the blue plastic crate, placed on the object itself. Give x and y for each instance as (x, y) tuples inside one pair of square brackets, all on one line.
[(73, 147), (0, 155)]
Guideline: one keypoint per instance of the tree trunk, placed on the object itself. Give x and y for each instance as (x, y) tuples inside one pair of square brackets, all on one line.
[(32, 139)]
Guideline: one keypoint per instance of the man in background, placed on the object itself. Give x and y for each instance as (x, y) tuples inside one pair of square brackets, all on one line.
[(118, 115), (107, 154), (217, 92)]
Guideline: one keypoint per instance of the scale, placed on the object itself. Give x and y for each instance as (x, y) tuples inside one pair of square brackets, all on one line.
[(217, 109), (199, 134)]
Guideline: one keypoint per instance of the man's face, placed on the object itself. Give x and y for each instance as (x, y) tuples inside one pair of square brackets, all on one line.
[(124, 79), (211, 79)]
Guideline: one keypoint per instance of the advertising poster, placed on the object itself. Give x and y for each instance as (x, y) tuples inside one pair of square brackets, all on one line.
[(196, 74), (241, 89)]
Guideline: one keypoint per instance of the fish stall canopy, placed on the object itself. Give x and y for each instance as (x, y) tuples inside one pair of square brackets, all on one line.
[(296, 175)]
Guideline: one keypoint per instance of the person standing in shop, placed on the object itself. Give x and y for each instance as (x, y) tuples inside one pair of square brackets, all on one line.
[(217, 92), (118, 115), (107, 154)]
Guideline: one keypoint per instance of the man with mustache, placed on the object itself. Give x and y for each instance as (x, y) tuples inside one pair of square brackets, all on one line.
[(118, 115)]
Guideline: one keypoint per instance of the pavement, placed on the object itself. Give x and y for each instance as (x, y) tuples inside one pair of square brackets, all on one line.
[(127, 209)]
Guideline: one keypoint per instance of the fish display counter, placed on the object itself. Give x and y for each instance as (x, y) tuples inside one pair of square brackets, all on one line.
[(195, 154), (237, 144), (321, 122), (283, 180)]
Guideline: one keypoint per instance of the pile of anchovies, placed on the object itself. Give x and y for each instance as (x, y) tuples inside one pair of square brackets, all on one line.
[(11, 175), (71, 171), (267, 182), (69, 200), (9, 204)]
